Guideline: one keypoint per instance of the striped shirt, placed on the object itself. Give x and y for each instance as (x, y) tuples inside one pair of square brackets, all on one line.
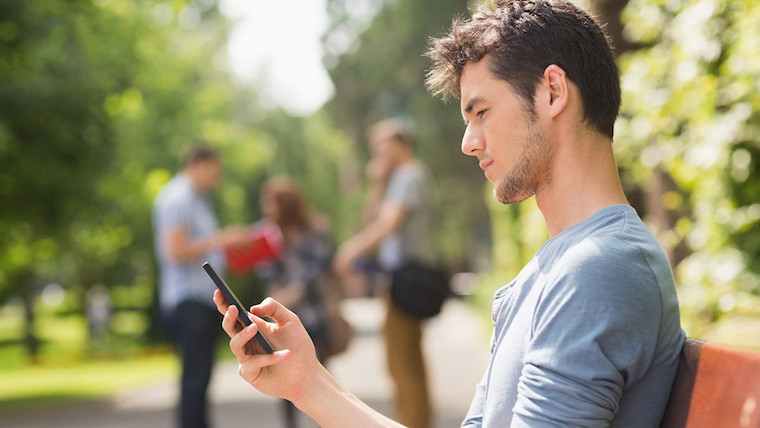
[(180, 205)]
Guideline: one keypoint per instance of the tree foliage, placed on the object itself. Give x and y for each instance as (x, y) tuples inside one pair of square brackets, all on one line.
[(692, 109), (99, 97), (687, 137), (97, 101)]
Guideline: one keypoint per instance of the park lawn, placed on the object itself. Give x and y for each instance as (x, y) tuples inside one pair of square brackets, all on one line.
[(84, 380), (68, 369)]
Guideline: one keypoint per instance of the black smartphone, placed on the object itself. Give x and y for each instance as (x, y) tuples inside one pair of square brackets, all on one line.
[(232, 299)]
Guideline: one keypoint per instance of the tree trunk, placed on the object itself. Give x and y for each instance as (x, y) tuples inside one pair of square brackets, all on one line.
[(649, 205), (608, 12), (28, 296)]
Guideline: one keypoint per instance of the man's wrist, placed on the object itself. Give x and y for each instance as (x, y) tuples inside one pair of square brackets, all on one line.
[(218, 241), (331, 405), (315, 389)]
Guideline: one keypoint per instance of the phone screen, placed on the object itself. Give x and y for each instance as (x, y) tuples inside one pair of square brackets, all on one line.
[(230, 296)]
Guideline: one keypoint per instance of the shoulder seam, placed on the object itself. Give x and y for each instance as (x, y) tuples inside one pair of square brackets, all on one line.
[(625, 224)]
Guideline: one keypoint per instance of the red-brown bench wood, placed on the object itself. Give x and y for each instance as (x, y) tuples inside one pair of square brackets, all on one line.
[(715, 387)]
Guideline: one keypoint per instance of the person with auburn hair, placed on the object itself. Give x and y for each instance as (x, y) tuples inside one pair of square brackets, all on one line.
[(301, 277), (588, 334)]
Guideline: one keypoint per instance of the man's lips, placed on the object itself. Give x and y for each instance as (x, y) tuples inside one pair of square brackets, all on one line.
[(484, 164)]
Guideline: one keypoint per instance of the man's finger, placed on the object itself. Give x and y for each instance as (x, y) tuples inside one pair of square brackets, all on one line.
[(271, 308), (254, 363), (274, 358), (221, 302), (239, 342), (230, 322)]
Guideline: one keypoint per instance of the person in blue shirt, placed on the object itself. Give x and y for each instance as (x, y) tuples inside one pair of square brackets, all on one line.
[(186, 234), (588, 334)]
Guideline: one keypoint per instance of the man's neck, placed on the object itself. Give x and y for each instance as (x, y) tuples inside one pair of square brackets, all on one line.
[(194, 183), (405, 159), (584, 179)]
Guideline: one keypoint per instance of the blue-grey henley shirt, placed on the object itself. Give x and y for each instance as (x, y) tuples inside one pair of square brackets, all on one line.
[(587, 335)]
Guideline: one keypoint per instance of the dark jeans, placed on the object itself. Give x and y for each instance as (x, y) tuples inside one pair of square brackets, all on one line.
[(194, 327)]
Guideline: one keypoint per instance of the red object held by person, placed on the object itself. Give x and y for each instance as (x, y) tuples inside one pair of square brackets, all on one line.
[(265, 245)]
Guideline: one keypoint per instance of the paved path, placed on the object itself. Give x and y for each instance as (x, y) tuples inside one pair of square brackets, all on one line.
[(455, 343)]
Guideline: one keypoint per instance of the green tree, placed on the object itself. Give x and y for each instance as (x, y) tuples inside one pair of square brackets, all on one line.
[(690, 110), (687, 144), (52, 130), (98, 98)]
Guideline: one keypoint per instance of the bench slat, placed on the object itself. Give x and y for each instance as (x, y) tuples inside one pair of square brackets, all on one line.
[(715, 387)]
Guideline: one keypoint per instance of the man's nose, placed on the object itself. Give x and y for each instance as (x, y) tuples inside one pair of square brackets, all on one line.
[(472, 141)]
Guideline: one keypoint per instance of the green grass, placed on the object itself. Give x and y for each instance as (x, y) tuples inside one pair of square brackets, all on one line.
[(69, 368), (84, 380), (63, 340)]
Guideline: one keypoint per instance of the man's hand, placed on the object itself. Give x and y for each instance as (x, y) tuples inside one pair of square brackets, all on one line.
[(284, 373), (389, 219), (344, 259), (183, 248), (293, 372), (235, 236)]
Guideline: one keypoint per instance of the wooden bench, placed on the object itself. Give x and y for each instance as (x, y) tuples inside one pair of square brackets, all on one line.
[(715, 387)]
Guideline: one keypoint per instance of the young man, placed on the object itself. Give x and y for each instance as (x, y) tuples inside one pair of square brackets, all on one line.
[(401, 227), (588, 333), (187, 234)]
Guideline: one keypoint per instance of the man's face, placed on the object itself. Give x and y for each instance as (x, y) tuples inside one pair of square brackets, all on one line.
[(206, 174), (505, 137), (385, 150)]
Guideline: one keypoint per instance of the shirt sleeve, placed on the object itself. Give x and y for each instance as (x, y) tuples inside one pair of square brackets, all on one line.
[(592, 336), (175, 213), (169, 215), (405, 189)]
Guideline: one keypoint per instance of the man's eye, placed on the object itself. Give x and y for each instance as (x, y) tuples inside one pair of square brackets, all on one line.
[(481, 113)]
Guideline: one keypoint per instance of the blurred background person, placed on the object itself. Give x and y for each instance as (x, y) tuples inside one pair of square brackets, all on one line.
[(301, 278), (366, 277), (186, 234), (401, 226)]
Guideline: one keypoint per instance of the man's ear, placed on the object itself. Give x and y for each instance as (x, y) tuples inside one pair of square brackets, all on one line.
[(558, 90)]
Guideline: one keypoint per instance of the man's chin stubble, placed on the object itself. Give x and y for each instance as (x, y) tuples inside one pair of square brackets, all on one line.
[(511, 193)]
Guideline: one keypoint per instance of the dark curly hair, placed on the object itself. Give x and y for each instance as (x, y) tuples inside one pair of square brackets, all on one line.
[(523, 37)]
